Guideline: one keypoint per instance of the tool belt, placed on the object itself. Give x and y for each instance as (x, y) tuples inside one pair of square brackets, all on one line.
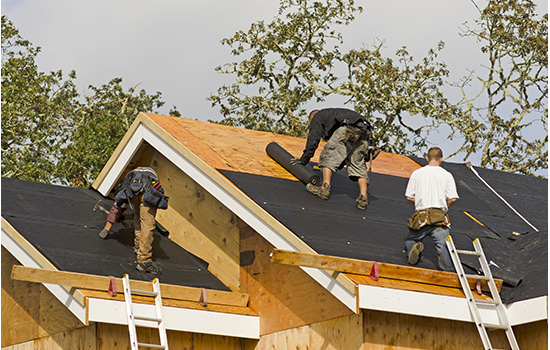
[(430, 216), (137, 182)]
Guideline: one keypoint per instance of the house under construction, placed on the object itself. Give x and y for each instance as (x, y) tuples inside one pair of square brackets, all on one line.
[(251, 260)]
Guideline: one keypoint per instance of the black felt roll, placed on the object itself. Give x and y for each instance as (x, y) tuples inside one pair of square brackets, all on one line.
[(300, 171)]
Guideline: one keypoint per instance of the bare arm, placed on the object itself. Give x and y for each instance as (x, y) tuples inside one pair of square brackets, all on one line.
[(451, 202), (410, 199)]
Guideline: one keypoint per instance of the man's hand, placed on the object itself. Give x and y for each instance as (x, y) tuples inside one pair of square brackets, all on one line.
[(295, 161)]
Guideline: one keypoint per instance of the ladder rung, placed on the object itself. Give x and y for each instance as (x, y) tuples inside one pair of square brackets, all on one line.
[(152, 345), (487, 302), (145, 292), (478, 277), (145, 318), (468, 252), (495, 326)]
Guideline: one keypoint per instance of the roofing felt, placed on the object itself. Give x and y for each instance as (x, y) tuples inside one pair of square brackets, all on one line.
[(60, 223), (336, 227)]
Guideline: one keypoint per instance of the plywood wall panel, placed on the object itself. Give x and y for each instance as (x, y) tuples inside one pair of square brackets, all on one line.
[(198, 222), (283, 296), (385, 330), (29, 310)]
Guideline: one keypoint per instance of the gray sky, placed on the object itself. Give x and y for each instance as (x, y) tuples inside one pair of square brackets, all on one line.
[(173, 46)]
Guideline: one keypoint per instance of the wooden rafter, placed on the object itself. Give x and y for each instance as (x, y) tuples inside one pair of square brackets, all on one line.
[(101, 283), (363, 267)]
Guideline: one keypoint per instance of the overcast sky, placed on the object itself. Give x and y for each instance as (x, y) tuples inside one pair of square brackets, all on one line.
[(173, 46)]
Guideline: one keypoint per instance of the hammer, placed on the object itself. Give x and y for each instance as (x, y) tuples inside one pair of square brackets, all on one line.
[(103, 210)]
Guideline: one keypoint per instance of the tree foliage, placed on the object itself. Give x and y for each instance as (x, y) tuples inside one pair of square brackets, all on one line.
[(296, 59), (49, 132), (287, 58), (390, 92), (37, 110), (513, 102)]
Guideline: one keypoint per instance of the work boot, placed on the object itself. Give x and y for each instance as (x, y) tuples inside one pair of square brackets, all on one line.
[(104, 233), (415, 252), (362, 202), (322, 191), (149, 267)]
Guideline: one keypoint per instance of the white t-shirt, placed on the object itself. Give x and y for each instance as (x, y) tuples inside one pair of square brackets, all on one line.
[(431, 187)]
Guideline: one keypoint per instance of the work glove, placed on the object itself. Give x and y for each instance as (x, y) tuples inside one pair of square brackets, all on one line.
[(295, 161)]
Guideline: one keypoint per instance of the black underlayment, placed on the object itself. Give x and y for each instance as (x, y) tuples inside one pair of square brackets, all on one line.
[(60, 222), (336, 227)]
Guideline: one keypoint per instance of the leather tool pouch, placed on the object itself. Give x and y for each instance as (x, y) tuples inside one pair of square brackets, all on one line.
[(431, 216)]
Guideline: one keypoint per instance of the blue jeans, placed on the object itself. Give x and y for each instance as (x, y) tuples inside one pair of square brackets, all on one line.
[(438, 234)]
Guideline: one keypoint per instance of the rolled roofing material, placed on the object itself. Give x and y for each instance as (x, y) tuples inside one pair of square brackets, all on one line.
[(300, 171)]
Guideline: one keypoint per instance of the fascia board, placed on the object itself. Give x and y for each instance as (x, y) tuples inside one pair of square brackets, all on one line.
[(178, 319), (445, 307), (144, 133), (527, 311), (58, 291)]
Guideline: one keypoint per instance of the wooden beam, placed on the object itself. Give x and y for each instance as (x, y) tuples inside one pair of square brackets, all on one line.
[(363, 267), (101, 283)]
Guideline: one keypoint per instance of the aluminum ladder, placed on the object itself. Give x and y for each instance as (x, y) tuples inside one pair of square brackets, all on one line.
[(473, 303), (159, 320)]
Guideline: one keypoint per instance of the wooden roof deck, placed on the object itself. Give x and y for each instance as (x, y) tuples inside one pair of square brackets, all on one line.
[(229, 148)]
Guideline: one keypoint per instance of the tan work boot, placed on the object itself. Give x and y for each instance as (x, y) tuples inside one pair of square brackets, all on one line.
[(322, 191), (362, 202)]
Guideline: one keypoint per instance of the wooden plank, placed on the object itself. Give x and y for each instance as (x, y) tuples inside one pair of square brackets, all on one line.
[(184, 304), (412, 286), (101, 283), (363, 267)]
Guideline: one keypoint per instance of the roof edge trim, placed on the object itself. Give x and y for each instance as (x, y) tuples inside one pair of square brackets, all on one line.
[(445, 307), (227, 193), (178, 319)]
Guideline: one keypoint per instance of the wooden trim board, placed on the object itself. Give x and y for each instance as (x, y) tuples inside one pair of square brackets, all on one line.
[(101, 283), (363, 267)]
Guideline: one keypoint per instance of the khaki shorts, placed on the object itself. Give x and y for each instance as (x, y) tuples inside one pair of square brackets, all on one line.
[(337, 151)]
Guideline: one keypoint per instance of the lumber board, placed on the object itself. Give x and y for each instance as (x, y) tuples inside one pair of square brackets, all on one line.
[(363, 267), (184, 304), (412, 286), (101, 283)]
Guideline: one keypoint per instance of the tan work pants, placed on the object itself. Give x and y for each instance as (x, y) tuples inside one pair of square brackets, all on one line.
[(144, 224)]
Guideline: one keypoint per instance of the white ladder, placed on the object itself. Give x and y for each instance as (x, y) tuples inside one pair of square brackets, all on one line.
[(132, 318), (473, 303)]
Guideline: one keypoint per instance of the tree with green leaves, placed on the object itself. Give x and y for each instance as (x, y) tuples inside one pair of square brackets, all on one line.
[(37, 110), (49, 132), (396, 95), (292, 63), (287, 58), (502, 121), (98, 126)]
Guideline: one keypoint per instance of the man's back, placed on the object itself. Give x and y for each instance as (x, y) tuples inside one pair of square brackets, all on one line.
[(431, 186)]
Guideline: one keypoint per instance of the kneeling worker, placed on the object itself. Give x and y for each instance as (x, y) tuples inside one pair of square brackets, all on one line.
[(350, 142)]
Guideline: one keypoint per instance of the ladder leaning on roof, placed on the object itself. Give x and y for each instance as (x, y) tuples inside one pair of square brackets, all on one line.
[(159, 320), (473, 303)]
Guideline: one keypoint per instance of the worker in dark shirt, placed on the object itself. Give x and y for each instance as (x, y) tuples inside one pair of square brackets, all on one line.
[(350, 142)]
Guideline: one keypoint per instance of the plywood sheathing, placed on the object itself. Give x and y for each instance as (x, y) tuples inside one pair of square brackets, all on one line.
[(197, 221), (283, 296), (29, 310), (243, 150)]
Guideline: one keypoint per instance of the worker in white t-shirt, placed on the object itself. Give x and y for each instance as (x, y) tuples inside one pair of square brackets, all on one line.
[(432, 189)]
